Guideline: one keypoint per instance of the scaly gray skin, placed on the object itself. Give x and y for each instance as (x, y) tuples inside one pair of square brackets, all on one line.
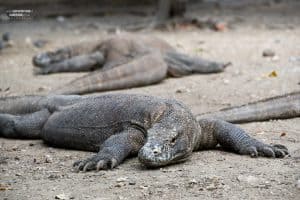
[(278, 107), (122, 61), (159, 131)]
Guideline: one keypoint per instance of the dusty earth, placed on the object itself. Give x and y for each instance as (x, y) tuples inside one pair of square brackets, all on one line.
[(32, 170)]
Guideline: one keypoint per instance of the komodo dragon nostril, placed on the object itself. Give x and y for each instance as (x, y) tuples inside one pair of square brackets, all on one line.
[(156, 151)]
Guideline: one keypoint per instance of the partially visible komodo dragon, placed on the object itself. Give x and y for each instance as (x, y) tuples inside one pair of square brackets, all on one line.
[(159, 131), (121, 61)]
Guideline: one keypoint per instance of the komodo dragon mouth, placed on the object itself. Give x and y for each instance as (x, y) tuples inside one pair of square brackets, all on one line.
[(150, 159)]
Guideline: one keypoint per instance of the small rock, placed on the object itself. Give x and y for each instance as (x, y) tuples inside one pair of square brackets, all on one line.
[(251, 180), (211, 187), (298, 184), (60, 19), (122, 179), (143, 187), (2, 45), (193, 182), (63, 196), (40, 43), (182, 90), (268, 53), (220, 26), (36, 161), (6, 36), (15, 148), (275, 58), (28, 40), (294, 59), (132, 182), (48, 159), (53, 176), (121, 184), (43, 88), (226, 81)]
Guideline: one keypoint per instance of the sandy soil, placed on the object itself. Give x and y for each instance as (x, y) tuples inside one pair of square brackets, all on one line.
[(32, 170)]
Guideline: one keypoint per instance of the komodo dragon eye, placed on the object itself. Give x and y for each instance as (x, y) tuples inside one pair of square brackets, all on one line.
[(173, 140)]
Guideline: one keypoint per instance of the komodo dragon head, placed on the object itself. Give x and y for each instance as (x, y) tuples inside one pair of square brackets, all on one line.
[(171, 139)]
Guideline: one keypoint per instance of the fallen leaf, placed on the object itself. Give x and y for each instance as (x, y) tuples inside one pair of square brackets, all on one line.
[(283, 134), (273, 74), (199, 50), (4, 187), (260, 133)]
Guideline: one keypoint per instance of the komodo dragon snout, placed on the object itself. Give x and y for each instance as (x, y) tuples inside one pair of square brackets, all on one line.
[(170, 149)]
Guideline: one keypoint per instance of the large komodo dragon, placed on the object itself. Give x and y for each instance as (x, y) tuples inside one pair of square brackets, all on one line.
[(121, 61), (159, 131)]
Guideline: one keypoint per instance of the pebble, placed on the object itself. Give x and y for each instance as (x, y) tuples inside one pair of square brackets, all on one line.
[(63, 196), (298, 184), (254, 181), (275, 58), (131, 182), (193, 182), (226, 81), (40, 43), (182, 90), (268, 53), (211, 187), (60, 19), (121, 184), (48, 159), (1, 45), (122, 179), (6, 36)]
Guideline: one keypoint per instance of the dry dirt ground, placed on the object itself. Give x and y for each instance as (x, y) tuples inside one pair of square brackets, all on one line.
[(32, 170)]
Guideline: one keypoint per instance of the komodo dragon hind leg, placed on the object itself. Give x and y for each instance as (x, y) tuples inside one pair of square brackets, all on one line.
[(180, 64), (235, 139), (113, 151), (146, 69), (28, 126)]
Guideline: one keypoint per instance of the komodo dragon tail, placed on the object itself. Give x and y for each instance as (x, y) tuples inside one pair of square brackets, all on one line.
[(145, 70), (30, 103), (279, 107)]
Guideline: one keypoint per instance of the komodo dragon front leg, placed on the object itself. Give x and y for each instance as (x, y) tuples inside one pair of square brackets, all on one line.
[(76, 58), (121, 62), (114, 150)]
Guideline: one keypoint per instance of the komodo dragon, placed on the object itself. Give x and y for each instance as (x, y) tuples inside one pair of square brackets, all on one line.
[(119, 62), (159, 131)]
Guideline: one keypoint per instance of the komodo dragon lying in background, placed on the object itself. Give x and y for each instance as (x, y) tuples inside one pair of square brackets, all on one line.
[(159, 131), (121, 61)]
